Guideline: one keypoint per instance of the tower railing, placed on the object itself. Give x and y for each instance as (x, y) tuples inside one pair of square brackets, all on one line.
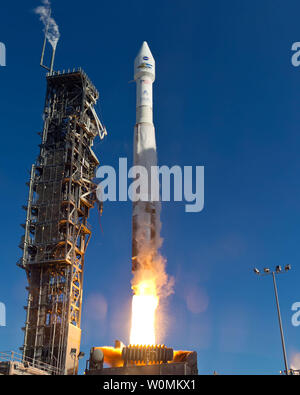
[(35, 366)]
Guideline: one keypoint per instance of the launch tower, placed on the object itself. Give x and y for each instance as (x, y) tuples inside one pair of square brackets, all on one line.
[(61, 193)]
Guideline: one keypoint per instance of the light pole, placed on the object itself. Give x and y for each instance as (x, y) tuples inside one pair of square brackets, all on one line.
[(278, 270)]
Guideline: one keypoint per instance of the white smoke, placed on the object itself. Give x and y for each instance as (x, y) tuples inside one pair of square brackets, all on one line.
[(151, 264), (50, 26)]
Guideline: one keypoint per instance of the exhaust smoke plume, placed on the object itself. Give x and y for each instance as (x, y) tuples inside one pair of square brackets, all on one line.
[(50, 26), (150, 283), (152, 265)]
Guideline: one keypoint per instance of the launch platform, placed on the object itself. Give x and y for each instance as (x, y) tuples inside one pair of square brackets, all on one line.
[(143, 360)]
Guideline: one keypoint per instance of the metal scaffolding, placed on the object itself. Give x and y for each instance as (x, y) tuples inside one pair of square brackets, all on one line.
[(61, 193)]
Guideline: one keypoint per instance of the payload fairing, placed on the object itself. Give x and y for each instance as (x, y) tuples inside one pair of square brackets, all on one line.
[(146, 209)]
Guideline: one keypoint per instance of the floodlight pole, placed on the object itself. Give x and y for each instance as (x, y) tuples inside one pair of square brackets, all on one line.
[(280, 324)]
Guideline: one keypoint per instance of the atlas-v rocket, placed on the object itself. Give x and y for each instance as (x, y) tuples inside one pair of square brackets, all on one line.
[(146, 210)]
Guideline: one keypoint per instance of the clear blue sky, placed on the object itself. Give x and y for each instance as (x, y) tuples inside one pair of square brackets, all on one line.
[(226, 97)]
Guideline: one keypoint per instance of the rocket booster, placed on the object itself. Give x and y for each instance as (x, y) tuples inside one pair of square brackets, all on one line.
[(145, 216)]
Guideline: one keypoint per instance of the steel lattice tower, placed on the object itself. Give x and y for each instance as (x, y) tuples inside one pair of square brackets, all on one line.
[(61, 193)]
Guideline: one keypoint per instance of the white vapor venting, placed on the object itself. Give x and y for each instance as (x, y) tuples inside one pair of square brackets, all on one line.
[(50, 26)]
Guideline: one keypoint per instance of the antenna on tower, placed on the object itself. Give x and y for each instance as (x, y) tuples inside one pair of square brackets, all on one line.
[(50, 69)]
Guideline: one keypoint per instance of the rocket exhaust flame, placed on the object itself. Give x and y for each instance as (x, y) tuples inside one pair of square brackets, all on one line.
[(144, 304), (150, 284), (112, 356)]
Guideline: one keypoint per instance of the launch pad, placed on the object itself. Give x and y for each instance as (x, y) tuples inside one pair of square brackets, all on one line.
[(142, 360)]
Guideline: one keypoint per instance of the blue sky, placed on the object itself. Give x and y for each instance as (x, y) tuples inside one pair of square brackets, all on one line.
[(226, 97)]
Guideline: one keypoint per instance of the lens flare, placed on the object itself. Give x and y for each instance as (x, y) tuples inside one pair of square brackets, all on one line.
[(144, 304)]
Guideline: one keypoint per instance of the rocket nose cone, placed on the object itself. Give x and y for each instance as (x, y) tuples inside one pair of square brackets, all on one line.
[(145, 50), (144, 62)]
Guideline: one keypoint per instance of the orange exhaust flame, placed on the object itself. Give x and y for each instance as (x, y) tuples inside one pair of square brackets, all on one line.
[(181, 356), (144, 304), (112, 356)]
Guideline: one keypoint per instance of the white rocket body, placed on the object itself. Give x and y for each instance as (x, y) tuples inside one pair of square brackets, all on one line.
[(144, 76), (145, 217)]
